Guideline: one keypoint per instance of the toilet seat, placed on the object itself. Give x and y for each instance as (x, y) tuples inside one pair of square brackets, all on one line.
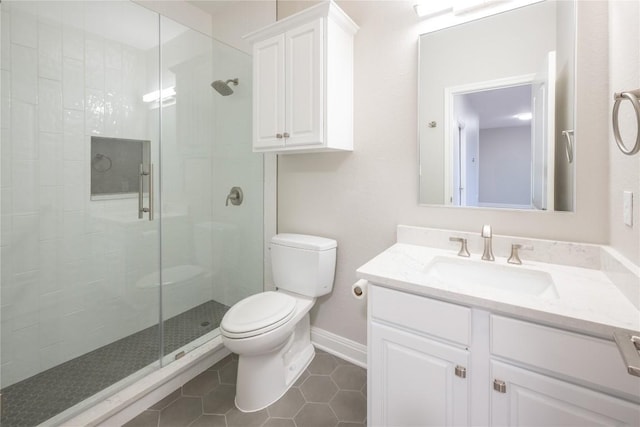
[(258, 314)]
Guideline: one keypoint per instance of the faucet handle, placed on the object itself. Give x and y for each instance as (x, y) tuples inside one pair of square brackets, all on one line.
[(514, 258), (463, 246), (486, 231)]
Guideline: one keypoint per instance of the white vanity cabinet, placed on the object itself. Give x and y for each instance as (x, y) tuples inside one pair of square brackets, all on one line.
[(532, 399), (303, 82), (417, 377), (517, 373), (547, 376)]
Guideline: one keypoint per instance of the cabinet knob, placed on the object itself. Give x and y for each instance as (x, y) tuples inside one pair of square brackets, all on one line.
[(499, 386), (286, 134), (461, 371), (279, 135)]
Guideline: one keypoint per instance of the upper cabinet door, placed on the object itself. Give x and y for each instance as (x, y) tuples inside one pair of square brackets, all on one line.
[(269, 92), (304, 84)]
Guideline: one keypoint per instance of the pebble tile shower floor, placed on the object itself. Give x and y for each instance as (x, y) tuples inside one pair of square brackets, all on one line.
[(329, 393), (42, 396)]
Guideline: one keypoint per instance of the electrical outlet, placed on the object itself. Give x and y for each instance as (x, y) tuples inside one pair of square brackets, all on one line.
[(627, 207)]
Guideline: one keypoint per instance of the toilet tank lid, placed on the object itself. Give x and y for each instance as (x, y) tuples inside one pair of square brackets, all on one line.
[(303, 241)]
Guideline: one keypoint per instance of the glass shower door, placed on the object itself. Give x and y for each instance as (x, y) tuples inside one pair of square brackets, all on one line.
[(79, 290), (211, 245)]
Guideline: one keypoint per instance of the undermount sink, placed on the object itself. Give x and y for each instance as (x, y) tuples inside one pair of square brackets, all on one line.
[(490, 276)]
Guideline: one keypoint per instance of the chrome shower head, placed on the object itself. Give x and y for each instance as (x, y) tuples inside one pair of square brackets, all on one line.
[(223, 88)]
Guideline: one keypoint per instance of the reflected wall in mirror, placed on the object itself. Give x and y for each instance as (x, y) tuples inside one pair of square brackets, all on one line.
[(495, 96)]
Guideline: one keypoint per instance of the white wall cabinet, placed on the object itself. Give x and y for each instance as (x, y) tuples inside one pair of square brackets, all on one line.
[(518, 373), (303, 82)]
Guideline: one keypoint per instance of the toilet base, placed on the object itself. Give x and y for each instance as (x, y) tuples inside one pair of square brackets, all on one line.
[(265, 378)]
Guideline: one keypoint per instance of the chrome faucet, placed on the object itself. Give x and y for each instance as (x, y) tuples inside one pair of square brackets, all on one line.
[(486, 234)]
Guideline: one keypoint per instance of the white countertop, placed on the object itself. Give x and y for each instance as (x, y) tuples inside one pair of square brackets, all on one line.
[(587, 300)]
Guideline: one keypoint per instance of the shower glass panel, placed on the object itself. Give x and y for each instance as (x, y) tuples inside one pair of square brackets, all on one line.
[(211, 252), (79, 296), (83, 313)]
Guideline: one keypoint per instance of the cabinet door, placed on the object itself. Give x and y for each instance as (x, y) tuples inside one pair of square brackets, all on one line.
[(268, 93), (413, 381), (304, 84), (531, 399)]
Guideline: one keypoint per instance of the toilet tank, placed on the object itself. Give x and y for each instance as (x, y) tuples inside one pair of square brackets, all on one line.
[(303, 264)]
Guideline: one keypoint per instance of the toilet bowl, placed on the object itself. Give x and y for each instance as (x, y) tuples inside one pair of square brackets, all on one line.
[(270, 331)]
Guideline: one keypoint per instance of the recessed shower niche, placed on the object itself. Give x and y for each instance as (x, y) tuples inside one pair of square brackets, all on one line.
[(115, 167)]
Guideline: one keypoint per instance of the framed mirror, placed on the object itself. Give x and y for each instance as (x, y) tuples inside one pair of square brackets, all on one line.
[(496, 111)]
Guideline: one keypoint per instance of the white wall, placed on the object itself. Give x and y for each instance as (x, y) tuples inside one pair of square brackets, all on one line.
[(232, 20), (358, 198), (624, 171), (505, 165)]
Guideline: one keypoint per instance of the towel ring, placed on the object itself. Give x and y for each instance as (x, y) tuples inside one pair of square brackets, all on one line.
[(568, 146), (632, 96), (101, 162)]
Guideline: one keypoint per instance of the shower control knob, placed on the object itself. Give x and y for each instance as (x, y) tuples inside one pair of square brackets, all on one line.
[(286, 135), (279, 135), (235, 196)]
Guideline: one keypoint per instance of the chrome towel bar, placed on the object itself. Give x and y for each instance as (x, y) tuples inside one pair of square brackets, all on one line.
[(618, 97)]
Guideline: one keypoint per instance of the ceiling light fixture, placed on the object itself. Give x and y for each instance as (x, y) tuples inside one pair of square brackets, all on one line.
[(156, 95), (429, 8), (524, 116)]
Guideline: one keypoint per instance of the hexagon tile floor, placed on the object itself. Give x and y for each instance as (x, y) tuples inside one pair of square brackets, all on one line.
[(329, 393)]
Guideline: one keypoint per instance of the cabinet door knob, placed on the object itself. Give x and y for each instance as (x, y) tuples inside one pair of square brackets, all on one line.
[(286, 134), (499, 386), (279, 135), (461, 371)]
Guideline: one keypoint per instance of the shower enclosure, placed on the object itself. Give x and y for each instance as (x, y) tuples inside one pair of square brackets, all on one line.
[(118, 252)]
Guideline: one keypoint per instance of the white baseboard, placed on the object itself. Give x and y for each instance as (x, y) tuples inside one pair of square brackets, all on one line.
[(344, 348)]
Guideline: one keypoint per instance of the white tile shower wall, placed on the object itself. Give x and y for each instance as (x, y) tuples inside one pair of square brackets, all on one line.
[(187, 181), (69, 269), (238, 242), (208, 137)]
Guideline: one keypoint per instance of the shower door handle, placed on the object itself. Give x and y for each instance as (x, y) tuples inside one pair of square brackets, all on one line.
[(141, 208), (150, 191)]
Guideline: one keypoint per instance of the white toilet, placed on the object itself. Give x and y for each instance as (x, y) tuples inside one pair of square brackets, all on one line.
[(270, 331)]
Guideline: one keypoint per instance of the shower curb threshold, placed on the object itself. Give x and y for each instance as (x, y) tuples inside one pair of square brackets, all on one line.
[(132, 400)]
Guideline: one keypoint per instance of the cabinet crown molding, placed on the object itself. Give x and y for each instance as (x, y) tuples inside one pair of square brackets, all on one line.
[(322, 10)]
